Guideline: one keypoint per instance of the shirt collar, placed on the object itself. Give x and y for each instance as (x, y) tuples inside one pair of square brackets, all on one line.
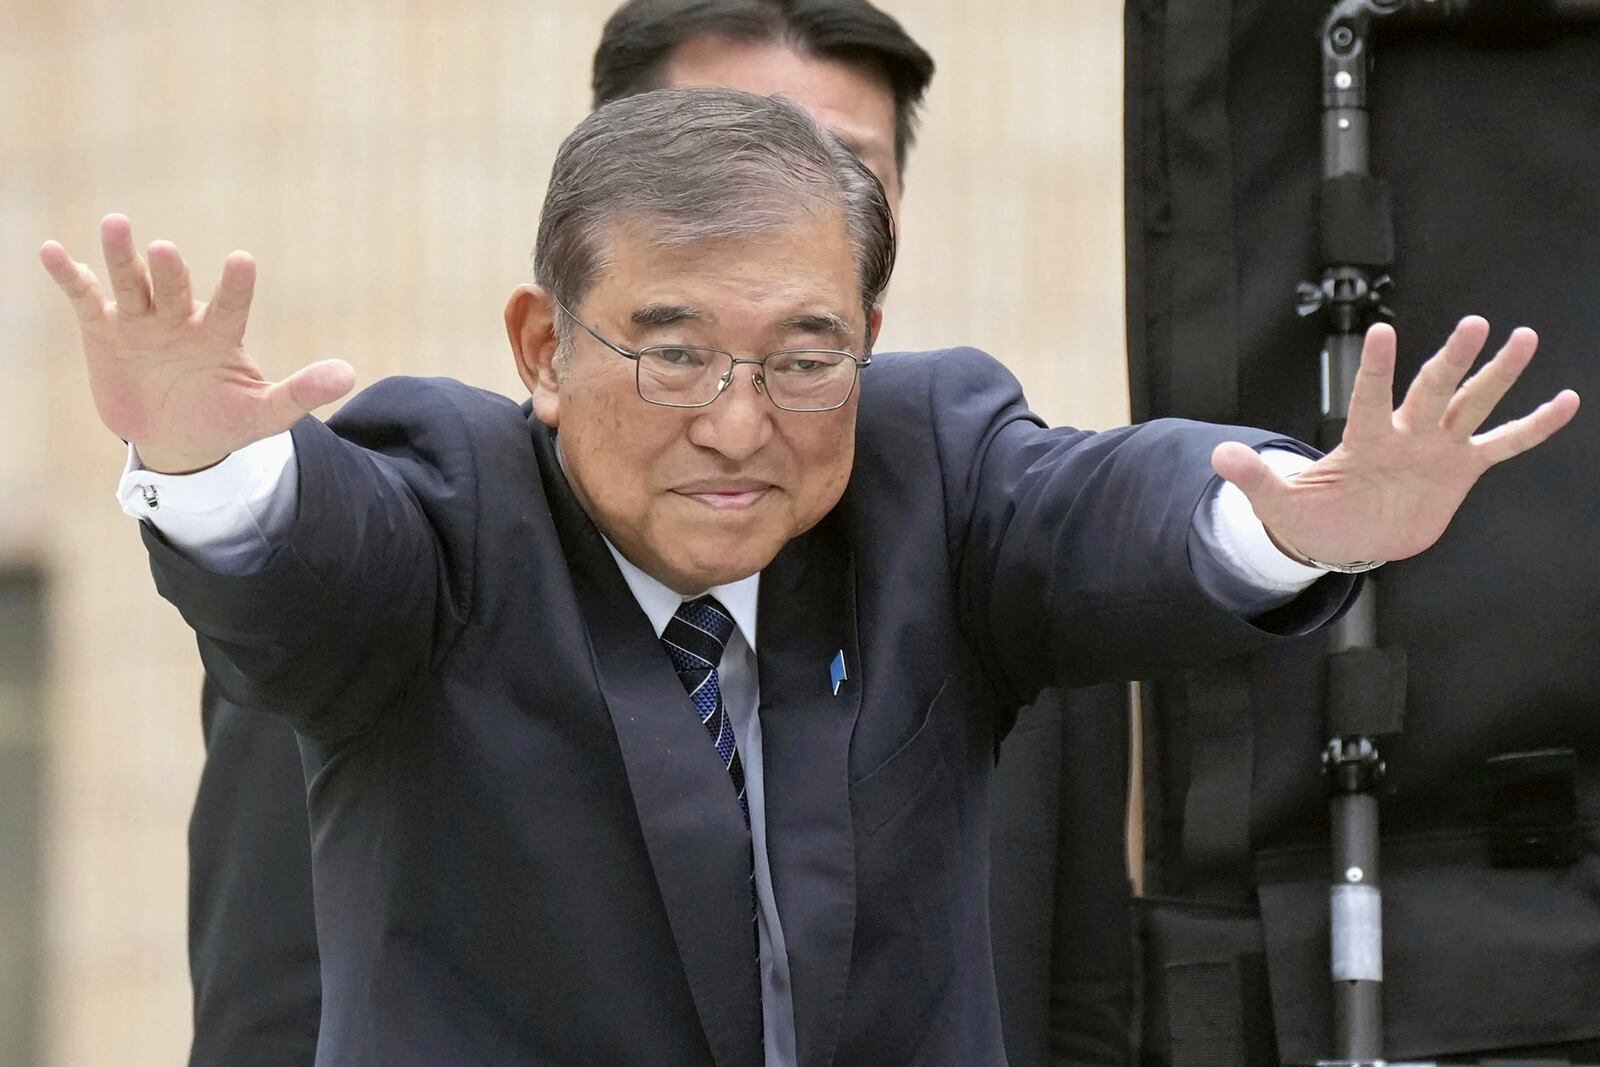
[(660, 603)]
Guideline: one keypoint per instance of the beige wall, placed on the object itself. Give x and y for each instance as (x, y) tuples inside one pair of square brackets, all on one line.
[(385, 163)]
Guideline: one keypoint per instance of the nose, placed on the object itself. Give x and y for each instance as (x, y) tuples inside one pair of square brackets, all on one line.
[(739, 423)]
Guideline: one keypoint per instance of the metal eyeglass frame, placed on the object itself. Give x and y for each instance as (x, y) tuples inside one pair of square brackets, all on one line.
[(758, 379)]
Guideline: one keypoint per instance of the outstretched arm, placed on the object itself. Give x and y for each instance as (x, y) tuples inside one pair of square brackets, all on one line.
[(1079, 559), (343, 607)]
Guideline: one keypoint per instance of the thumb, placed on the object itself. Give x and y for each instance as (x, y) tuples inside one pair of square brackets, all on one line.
[(1244, 467), (310, 388)]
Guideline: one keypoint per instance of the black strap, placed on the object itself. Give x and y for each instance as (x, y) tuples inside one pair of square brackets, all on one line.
[(1216, 812), (1366, 692), (1355, 218), (1199, 164)]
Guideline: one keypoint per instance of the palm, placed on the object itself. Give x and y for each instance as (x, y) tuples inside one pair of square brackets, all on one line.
[(1396, 480), (170, 374), (149, 373)]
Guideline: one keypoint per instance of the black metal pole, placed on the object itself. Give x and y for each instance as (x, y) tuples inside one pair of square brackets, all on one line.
[(1349, 300)]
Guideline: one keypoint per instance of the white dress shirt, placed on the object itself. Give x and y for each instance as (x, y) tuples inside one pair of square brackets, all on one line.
[(227, 517)]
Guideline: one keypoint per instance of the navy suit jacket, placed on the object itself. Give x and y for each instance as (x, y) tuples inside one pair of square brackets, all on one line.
[(525, 852), (1059, 899)]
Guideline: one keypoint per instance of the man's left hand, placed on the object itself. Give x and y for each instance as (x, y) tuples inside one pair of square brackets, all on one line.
[(1395, 481)]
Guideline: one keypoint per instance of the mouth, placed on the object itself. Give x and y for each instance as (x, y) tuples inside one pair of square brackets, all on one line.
[(726, 496)]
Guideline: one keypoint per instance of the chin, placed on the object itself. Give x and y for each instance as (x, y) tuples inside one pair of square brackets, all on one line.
[(734, 561), (729, 569)]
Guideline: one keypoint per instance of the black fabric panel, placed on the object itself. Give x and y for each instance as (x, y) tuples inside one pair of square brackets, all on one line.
[(1203, 1024), (1216, 818), (1491, 156), (1198, 157), (1510, 959), (1492, 22), (1091, 969), (1144, 198)]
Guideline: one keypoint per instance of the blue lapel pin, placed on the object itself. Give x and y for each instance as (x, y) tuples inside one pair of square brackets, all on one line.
[(837, 672)]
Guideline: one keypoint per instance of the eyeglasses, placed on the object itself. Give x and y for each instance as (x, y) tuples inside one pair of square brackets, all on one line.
[(687, 376)]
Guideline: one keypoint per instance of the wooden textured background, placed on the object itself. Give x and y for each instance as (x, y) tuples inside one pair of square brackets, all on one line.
[(385, 163)]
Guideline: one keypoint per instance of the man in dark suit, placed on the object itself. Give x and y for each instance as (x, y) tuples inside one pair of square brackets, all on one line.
[(653, 722), (1059, 886)]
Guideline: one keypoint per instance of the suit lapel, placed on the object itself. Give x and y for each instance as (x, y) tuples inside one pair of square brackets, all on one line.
[(808, 616), (696, 837)]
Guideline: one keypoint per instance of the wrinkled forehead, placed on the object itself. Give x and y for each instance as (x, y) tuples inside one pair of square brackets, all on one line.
[(801, 263)]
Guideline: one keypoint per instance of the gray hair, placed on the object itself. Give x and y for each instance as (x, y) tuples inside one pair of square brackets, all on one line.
[(702, 164)]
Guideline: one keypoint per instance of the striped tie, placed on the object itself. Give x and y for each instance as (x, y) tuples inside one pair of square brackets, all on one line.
[(695, 639)]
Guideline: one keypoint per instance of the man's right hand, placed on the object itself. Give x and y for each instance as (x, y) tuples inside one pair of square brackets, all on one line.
[(170, 374)]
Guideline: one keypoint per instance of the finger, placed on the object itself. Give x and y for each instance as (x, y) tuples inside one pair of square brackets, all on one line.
[(1436, 382), (1530, 431), (1372, 395), (1477, 398), (76, 280), (130, 281), (229, 309), (169, 277), (1244, 467), (308, 389)]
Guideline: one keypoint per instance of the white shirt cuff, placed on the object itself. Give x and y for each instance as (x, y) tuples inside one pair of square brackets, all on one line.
[(225, 517), (1242, 540)]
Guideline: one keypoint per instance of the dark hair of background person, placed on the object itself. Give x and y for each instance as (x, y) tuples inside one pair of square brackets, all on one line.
[(641, 36)]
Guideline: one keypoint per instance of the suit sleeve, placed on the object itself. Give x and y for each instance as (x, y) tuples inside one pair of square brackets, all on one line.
[(1073, 549), (360, 598)]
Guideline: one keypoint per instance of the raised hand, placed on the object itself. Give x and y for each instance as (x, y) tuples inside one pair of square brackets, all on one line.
[(1395, 481), (170, 374)]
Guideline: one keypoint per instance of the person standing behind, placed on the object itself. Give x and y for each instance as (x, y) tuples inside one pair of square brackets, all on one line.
[(1059, 889)]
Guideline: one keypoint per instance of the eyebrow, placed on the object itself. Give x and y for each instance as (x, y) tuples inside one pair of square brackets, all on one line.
[(826, 323), (666, 315)]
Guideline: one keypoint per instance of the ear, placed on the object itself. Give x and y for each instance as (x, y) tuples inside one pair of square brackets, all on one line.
[(531, 328), (874, 326)]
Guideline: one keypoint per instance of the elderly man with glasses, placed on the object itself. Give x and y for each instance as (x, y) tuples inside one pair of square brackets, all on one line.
[(653, 722)]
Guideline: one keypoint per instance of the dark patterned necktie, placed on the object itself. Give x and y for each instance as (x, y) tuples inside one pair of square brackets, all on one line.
[(695, 639)]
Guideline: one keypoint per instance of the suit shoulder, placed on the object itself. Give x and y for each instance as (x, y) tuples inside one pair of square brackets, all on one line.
[(417, 407), (907, 371), (950, 383)]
